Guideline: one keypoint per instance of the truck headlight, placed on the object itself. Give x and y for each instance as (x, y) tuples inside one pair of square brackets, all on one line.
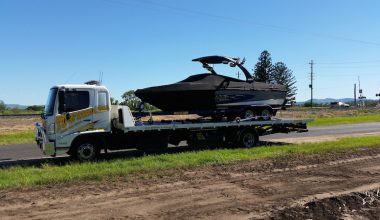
[(51, 129)]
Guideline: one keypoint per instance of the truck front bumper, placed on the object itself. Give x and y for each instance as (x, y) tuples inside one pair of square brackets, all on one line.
[(47, 147)]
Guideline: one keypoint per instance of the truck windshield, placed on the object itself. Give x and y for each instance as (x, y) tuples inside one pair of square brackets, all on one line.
[(49, 107)]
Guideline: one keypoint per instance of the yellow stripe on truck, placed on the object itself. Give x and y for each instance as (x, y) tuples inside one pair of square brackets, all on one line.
[(62, 122)]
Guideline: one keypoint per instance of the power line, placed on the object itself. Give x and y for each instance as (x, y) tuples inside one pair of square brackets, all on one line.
[(349, 62), (320, 75), (273, 27), (350, 67)]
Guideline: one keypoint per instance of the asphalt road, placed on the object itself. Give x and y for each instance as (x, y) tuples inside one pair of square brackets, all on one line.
[(30, 154), (328, 132)]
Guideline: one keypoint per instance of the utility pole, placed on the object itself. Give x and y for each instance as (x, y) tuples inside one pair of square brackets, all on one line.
[(311, 82), (361, 97), (355, 94)]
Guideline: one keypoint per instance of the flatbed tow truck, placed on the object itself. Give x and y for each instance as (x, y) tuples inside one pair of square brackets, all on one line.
[(79, 120)]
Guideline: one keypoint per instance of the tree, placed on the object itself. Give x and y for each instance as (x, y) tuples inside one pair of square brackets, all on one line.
[(2, 105), (131, 100), (114, 101), (282, 75), (263, 68)]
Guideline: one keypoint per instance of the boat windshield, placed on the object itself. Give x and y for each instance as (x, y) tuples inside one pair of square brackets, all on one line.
[(49, 107)]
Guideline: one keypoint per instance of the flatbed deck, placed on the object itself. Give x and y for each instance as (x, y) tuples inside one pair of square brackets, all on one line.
[(188, 125)]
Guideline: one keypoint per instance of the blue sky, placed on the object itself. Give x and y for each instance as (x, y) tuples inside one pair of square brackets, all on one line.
[(140, 43)]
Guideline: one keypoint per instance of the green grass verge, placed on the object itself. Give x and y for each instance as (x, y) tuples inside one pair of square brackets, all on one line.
[(17, 138), (51, 174), (344, 120)]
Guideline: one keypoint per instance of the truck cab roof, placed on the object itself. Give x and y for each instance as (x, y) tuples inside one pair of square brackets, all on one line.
[(81, 86)]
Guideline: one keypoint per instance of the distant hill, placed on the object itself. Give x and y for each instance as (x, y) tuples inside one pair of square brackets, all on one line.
[(16, 106)]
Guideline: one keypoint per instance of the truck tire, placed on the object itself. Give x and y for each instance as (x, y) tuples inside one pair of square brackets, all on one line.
[(248, 138), (85, 150)]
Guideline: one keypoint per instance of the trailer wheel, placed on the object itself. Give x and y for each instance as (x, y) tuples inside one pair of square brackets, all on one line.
[(266, 113), (248, 138), (249, 113), (86, 150)]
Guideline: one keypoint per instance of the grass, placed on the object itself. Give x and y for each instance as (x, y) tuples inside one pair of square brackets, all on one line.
[(345, 120), (17, 138), (121, 168)]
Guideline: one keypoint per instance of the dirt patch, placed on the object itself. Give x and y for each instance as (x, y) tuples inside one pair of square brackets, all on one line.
[(364, 205), (11, 125), (259, 189)]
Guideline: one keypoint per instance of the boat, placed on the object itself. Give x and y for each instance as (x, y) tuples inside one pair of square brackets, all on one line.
[(210, 93)]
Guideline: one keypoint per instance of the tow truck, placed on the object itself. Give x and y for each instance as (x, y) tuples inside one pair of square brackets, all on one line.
[(79, 120)]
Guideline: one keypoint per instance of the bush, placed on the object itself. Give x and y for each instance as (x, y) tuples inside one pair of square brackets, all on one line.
[(37, 108), (308, 104)]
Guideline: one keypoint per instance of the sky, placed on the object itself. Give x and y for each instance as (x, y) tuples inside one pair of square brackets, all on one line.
[(141, 43)]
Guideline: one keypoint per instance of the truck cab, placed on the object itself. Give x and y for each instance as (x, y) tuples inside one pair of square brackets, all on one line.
[(72, 110)]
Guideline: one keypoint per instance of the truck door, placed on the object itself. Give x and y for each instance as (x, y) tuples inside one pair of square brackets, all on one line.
[(75, 111)]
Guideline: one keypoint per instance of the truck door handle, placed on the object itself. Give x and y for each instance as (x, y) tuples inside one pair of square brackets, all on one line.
[(87, 120)]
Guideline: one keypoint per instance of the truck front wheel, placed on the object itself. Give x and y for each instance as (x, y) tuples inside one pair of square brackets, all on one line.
[(85, 150)]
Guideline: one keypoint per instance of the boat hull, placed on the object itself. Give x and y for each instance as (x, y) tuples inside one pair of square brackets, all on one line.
[(180, 100), (208, 100), (238, 98), (212, 92)]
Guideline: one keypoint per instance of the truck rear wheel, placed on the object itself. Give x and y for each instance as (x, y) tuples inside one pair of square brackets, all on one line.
[(85, 150), (248, 138)]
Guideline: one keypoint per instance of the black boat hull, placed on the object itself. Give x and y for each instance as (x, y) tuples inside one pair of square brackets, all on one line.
[(239, 98), (208, 100), (175, 101), (211, 92)]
